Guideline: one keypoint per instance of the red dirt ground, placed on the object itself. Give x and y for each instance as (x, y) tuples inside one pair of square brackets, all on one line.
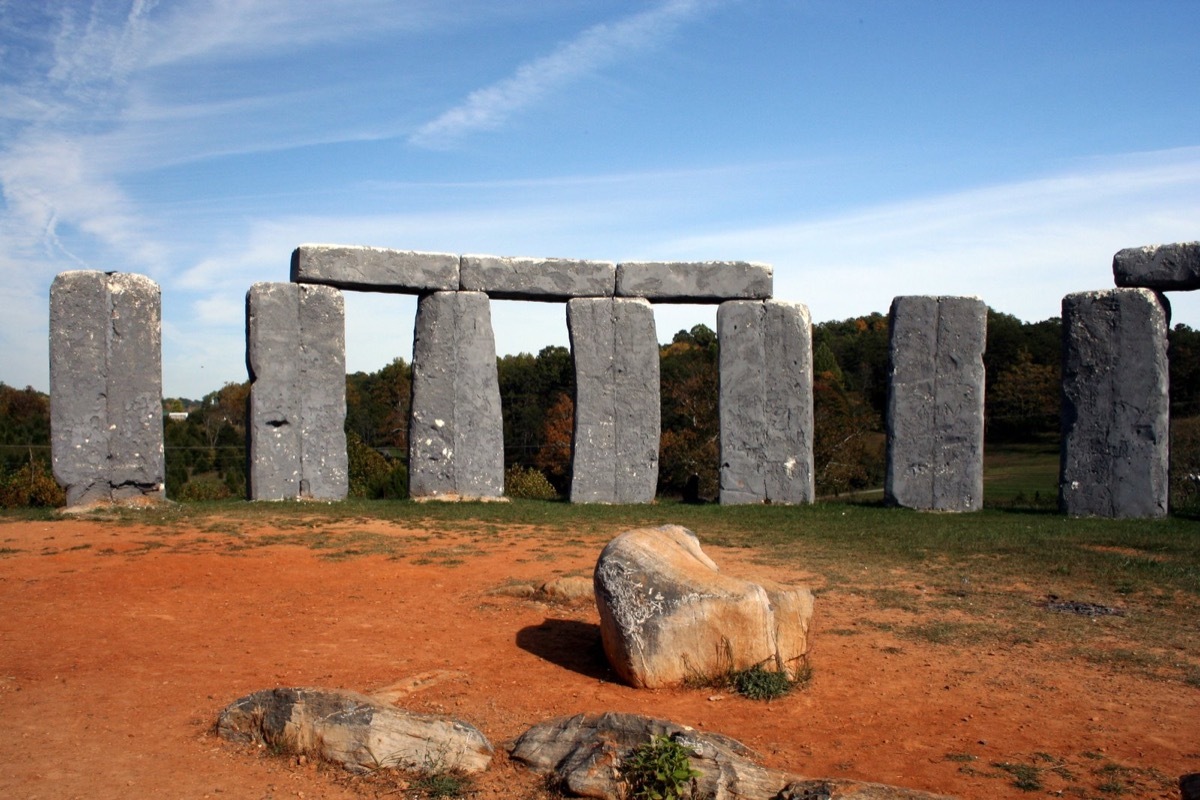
[(119, 645)]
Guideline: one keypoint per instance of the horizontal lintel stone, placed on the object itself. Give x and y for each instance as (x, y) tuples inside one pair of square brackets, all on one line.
[(694, 282), (538, 279), (375, 269), (1161, 266)]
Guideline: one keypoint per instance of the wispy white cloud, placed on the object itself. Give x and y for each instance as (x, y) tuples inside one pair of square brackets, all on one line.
[(595, 48), (203, 29)]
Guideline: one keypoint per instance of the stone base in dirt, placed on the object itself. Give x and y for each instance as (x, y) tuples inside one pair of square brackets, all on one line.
[(584, 754)]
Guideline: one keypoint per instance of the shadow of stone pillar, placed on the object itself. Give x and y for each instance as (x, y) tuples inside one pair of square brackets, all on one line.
[(766, 402), (456, 432), (617, 410), (1115, 415), (106, 387), (296, 356), (935, 403)]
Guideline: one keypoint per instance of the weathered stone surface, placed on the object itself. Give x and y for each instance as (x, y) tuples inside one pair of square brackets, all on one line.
[(697, 282), (1115, 406), (549, 279), (375, 269), (106, 387), (765, 402), (135, 450), (296, 356), (456, 433), (585, 753), (935, 405), (324, 467), (1163, 267), (617, 412), (1189, 786), (272, 337), (356, 731), (667, 613)]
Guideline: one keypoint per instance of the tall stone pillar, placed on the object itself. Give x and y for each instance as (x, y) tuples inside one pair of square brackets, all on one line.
[(106, 387), (617, 411), (935, 403), (456, 434), (766, 402), (1115, 411), (296, 355)]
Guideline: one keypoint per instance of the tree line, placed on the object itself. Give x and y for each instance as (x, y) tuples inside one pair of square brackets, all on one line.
[(206, 451)]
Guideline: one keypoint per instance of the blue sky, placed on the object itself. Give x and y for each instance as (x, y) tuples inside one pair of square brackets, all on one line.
[(864, 149)]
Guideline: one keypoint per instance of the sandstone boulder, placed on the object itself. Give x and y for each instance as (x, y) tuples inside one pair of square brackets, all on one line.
[(359, 732), (584, 754), (667, 613)]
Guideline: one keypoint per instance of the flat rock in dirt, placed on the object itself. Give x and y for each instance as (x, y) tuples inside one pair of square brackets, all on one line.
[(584, 754), (668, 614), (359, 732)]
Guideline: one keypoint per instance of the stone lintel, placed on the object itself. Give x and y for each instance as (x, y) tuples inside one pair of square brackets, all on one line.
[(694, 282), (537, 279), (1163, 267), (375, 269)]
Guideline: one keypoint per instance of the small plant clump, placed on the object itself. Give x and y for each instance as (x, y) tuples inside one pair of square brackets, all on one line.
[(443, 784), (660, 769), (757, 683), (527, 483)]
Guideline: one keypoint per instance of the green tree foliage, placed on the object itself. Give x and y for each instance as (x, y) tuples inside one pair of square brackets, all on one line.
[(377, 406), (530, 386), (371, 475), (24, 427), (690, 441), (847, 443), (1184, 354), (554, 456), (1023, 367), (205, 454), (860, 348)]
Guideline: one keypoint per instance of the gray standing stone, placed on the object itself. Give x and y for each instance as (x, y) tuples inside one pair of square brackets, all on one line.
[(135, 451), (295, 353), (617, 412), (548, 279), (106, 387), (1115, 405), (272, 336), (324, 464), (1163, 267), (456, 434), (935, 404), (766, 397), (699, 282), (374, 269)]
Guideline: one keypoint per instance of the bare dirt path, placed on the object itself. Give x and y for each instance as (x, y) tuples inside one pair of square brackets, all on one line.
[(120, 643)]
